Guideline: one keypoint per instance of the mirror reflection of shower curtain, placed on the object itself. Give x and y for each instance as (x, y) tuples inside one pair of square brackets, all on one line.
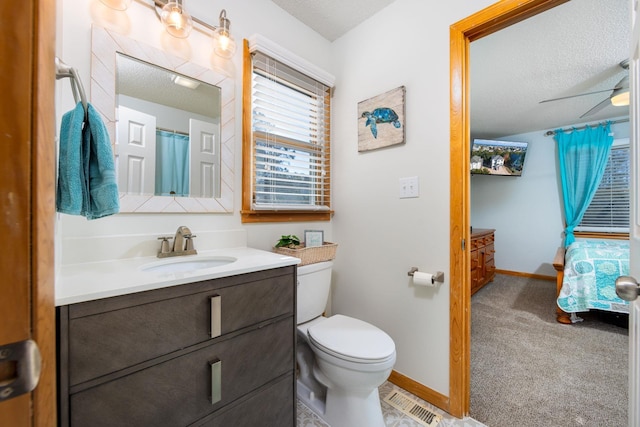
[(172, 164)]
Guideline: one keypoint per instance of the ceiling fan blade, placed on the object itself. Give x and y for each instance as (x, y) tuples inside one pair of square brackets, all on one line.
[(597, 108), (580, 94)]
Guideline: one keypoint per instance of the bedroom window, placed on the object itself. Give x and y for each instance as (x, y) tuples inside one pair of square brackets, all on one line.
[(609, 209), (286, 158)]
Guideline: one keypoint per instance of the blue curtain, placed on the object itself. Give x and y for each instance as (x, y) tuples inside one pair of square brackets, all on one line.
[(172, 164), (582, 156)]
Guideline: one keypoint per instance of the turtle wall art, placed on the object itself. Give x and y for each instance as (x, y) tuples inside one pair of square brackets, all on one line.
[(381, 120)]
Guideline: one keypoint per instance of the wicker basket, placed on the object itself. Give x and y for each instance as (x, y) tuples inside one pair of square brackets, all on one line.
[(311, 255)]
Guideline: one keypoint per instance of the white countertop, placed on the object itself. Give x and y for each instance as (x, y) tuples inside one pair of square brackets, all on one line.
[(90, 281)]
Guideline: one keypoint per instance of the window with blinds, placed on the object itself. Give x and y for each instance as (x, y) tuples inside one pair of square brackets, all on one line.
[(290, 155), (609, 209)]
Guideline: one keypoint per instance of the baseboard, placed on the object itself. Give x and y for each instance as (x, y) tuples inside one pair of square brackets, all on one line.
[(419, 390), (531, 275)]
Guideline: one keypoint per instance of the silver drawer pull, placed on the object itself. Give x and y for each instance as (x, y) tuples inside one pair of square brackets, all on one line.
[(216, 316), (216, 381)]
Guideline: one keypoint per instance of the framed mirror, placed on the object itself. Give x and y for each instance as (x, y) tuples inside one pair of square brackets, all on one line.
[(171, 124)]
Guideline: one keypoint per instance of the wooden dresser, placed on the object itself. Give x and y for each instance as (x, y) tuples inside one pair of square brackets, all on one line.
[(483, 267)]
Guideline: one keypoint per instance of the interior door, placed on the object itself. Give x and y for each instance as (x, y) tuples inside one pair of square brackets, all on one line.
[(27, 191), (204, 159), (634, 231), (136, 151)]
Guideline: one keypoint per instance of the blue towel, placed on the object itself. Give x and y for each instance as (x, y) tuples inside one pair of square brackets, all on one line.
[(71, 197), (86, 169), (103, 187)]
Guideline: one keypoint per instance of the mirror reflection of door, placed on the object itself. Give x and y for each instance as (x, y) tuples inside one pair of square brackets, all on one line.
[(136, 151), (205, 158)]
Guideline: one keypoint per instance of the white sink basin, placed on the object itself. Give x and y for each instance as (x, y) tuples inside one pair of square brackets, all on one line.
[(184, 265)]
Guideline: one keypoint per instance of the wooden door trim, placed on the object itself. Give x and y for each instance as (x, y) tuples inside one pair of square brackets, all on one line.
[(489, 20), (43, 179)]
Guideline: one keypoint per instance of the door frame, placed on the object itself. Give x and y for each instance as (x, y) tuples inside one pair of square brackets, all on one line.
[(487, 21)]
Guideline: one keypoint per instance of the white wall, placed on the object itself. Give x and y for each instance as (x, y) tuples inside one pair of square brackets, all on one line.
[(381, 236), (139, 22), (526, 211)]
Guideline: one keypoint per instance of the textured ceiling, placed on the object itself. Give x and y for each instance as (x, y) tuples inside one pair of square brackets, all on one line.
[(332, 18), (573, 48), (154, 84)]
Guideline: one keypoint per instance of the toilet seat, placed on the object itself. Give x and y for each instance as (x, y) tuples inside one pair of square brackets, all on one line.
[(351, 340)]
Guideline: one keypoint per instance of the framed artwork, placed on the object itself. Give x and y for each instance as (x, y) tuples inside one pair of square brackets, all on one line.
[(381, 120), (313, 238)]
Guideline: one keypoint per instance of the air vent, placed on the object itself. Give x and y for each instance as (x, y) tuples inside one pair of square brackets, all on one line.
[(413, 409)]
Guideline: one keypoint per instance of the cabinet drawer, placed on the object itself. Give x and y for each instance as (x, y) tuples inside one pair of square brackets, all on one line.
[(265, 408), (490, 270), (476, 243), (178, 391), (488, 252), (109, 341), (474, 260)]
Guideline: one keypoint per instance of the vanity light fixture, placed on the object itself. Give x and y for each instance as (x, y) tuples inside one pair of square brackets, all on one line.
[(223, 43), (179, 23), (176, 20)]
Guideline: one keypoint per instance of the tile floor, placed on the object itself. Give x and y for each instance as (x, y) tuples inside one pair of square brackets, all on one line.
[(392, 416)]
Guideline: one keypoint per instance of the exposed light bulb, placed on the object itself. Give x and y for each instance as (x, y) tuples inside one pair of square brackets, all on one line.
[(224, 46), (224, 42), (176, 20)]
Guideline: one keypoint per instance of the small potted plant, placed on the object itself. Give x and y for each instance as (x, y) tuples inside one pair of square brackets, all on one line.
[(291, 241)]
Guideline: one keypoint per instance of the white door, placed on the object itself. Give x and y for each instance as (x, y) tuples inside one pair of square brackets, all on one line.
[(634, 225), (136, 151), (204, 159)]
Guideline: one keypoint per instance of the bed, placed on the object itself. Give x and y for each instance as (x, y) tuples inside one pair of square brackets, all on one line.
[(586, 274)]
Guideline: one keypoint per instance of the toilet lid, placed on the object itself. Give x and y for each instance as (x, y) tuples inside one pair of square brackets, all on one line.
[(352, 338)]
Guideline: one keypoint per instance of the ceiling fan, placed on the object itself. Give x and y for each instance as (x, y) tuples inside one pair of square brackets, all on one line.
[(619, 93)]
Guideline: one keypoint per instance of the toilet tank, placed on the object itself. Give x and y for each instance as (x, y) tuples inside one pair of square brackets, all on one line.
[(314, 283)]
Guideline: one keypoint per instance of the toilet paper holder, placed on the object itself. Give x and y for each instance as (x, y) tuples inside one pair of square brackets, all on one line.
[(437, 277)]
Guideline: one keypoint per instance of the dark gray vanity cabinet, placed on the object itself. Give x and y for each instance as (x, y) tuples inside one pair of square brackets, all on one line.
[(213, 353)]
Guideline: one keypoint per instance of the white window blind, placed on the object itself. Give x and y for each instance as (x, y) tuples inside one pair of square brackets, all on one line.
[(609, 209), (290, 134)]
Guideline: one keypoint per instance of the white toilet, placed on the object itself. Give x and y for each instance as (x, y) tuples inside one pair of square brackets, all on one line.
[(341, 360)]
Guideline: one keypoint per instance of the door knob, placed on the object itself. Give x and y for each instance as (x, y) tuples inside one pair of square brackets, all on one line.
[(627, 288)]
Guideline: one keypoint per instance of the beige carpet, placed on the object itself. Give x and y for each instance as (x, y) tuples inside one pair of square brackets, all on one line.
[(529, 370)]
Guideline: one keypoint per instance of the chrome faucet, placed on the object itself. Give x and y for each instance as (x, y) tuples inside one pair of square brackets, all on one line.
[(182, 244)]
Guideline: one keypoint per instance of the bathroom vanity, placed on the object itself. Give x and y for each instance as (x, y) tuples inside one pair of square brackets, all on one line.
[(212, 352)]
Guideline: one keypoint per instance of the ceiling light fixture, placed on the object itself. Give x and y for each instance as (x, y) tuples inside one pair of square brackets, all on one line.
[(185, 81), (621, 99), (620, 95)]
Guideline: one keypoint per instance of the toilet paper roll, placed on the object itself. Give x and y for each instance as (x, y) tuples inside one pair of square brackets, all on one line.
[(423, 279)]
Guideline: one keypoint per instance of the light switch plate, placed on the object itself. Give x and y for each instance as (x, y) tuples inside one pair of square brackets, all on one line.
[(409, 187)]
